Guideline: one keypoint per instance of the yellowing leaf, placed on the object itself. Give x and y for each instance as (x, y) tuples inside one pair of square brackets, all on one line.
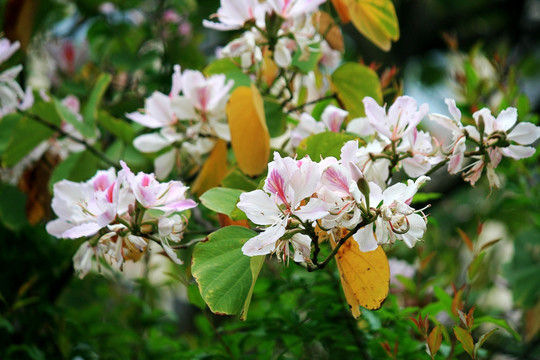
[(250, 139), (365, 276), (375, 19), (465, 338), (326, 26), (269, 68), (213, 170), (434, 340)]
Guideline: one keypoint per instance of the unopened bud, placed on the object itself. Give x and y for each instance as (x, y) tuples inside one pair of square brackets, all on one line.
[(147, 228), (481, 124)]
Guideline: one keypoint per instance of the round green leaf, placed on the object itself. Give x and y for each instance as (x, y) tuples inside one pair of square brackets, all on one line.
[(324, 144), (352, 83), (222, 271)]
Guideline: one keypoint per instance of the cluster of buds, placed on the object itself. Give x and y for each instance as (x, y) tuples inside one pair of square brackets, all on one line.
[(119, 214), (188, 120)]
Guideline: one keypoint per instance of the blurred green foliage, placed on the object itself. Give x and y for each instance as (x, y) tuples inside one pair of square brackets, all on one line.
[(46, 313)]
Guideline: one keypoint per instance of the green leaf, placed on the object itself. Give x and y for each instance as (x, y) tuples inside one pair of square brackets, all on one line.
[(352, 83), (324, 144), (224, 274), (25, 136), (222, 200), (434, 340), (76, 167), (465, 339), (499, 322), (67, 116), (236, 179), (482, 340), (91, 109), (12, 207), (475, 266), (119, 128), (7, 123), (276, 119), (255, 265), (230, 70)]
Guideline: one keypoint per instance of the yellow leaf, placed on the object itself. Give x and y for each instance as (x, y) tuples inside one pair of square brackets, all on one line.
[(365, 276), (213, 170), (250, 139), (375, 19), (326, 26), (269, 68)]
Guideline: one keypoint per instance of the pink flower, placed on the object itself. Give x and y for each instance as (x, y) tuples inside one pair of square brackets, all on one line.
[(294, 8), (151, 194), (521, 134), (84, 208), (457, 147), (158, 112), (288, 184), (396, 218), (7, 49), (233, 14), (403, 116)]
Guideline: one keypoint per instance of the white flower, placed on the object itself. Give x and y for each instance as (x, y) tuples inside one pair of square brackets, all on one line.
[(403, 116), (288, 184), (340, 190), (84, 208), (521, 134), (246, 48), (457, 147), (158, 112), (233, 14), (374, 170), (7, 49), (396, 218), (204, 100), (419, 144)]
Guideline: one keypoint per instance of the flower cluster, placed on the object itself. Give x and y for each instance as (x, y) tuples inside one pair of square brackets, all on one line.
[(278, 36), (120, 214), (333, 195), (393, 140), (189, 119), (285, 26), (486, 142)]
